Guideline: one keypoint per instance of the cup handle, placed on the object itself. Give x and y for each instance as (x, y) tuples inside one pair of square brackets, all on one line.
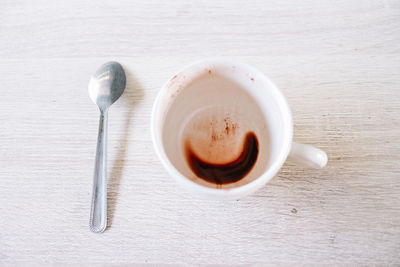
[(307, 155)]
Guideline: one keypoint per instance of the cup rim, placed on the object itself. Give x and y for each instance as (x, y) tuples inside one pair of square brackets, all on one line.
[(224, 193)]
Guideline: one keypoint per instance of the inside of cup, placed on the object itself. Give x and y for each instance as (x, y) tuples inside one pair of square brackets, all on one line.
[(211, 108)]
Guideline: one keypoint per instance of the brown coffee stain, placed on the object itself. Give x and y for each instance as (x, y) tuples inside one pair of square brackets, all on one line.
[(229, 172), (230, 127)]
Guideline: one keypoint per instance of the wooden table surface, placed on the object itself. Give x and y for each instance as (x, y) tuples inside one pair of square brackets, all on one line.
[(337, 62)]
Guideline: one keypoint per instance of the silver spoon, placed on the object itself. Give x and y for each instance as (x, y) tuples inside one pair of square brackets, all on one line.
[(105, 87)]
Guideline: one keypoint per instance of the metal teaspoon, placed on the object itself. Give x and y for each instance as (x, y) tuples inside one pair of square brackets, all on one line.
[(105, 87)]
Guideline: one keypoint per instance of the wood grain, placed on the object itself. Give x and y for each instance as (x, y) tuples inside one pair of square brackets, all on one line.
[(337, 62)]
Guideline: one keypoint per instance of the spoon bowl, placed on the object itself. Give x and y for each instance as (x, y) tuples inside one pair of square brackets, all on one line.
[(107, 84)]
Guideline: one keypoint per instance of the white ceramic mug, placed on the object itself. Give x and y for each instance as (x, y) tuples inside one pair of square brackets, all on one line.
[(213, 104)]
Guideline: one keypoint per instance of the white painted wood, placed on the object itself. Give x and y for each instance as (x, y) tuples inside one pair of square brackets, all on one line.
[(338, 63)]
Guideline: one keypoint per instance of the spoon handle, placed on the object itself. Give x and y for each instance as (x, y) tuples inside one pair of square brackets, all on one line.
[(98, 210)]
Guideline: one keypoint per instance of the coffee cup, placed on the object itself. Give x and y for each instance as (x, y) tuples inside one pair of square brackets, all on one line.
[(223, 129)]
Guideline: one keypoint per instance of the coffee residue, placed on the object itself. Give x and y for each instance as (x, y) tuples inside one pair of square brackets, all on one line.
[(227, 172), (229, 126)]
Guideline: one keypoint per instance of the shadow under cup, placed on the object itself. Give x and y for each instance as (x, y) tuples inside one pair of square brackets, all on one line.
[(210, 108)]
